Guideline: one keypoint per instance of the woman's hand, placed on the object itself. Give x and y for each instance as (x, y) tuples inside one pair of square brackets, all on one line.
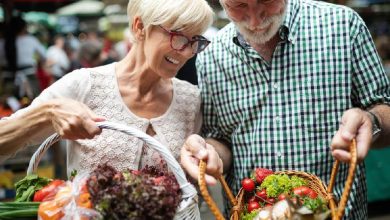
[(73, 120), (195, 148)]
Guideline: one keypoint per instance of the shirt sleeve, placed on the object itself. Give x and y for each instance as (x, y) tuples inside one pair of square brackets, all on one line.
[(211, 125), (370, 82)]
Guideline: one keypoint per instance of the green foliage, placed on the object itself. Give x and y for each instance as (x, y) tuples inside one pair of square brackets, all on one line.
[(26, 187), (317, 205), (277, 184), (249, 215), (297, 182)]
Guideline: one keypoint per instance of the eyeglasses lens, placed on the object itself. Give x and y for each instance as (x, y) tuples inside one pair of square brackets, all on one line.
[(180, 42)]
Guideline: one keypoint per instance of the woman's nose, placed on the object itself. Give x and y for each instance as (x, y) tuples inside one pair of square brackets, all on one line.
[(187, 52)]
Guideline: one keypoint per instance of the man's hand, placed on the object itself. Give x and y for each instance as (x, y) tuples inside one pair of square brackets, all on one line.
[(195, 148), (355, 123), (73, 120)]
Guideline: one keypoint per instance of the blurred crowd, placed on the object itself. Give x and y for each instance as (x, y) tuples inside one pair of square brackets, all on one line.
[(31, 62)]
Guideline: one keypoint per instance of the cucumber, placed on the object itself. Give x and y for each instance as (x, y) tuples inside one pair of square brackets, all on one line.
[(13, 210), (19, 213)]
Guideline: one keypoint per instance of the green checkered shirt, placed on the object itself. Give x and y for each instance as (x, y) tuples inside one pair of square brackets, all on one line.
[(282, 115)]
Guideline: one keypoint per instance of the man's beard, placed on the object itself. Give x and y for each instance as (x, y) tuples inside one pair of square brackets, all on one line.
[(272, 24)]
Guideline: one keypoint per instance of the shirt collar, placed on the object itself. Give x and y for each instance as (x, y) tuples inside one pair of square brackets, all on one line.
[(287, 31)]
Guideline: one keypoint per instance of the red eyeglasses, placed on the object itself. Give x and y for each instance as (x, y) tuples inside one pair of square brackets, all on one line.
[(179, 42)]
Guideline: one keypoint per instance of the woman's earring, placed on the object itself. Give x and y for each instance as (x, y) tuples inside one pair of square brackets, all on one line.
[(142, 35)]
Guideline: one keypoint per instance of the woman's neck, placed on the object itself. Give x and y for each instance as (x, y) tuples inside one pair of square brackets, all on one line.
[(133, 71)]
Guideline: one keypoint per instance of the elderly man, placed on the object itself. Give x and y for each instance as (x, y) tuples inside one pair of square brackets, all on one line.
[(287, 86)]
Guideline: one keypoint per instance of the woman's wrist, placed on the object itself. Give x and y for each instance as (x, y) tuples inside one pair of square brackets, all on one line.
[(41, 115)]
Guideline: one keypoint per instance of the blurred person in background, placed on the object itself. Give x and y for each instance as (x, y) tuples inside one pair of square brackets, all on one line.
[(57, 62), (140, 90), (71, 47), (18, 58), (123, 47), (90, 54)]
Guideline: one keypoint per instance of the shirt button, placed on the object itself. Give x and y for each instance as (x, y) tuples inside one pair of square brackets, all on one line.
[(277, 118), (279, 154), (276, 85)]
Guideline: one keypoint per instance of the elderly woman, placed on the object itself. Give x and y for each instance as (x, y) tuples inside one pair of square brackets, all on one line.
[(139, 91)]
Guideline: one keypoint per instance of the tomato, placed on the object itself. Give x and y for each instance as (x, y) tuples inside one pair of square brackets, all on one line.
[(282, 197), (50, 189), (253, 199), (248, 184), (305, 191), (253, 206), (271, 200), (262, 194)]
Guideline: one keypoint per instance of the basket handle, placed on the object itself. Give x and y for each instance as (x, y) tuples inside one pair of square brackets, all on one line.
[(187, 189), (206, 196), (338, 212)]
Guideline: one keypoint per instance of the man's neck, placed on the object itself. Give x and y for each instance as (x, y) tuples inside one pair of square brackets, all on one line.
[(267, 49)]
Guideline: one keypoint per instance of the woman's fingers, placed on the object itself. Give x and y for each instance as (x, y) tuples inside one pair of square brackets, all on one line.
[(74, 120)]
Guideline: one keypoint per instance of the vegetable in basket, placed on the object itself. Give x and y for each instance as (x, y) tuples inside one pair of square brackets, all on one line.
[(280, 196), (71, 200), (48, 190), (145, 194), (26, 187), (283, 210), (14, 210)]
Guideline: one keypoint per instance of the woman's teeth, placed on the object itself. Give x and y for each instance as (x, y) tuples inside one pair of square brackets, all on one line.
[(171, 60)]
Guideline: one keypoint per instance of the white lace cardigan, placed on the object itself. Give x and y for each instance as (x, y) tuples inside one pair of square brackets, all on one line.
[(98, 89)]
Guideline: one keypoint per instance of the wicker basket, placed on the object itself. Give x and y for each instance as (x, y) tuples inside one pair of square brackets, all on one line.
[(313, 182), (188, 207)]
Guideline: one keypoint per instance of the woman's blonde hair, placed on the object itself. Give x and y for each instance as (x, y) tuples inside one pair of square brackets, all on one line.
[(181, 15)]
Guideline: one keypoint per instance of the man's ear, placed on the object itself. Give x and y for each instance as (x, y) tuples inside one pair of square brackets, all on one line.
[(138, 28)]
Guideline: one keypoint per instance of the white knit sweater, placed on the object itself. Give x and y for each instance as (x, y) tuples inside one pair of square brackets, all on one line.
[(98, 89)]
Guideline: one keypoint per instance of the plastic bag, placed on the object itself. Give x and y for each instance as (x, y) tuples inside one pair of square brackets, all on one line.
[(71, 201)]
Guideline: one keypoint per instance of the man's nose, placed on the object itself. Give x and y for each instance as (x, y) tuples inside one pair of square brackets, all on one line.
[(254, 18)]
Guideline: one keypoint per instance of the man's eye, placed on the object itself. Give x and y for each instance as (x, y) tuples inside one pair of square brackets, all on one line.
[(266, 1), (241, 5), (236, 5)]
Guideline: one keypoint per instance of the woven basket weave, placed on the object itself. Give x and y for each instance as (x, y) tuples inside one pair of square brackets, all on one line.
[(188, 207), (313, 181)]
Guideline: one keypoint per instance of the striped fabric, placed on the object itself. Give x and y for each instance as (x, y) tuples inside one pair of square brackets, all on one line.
[(282, 115)]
